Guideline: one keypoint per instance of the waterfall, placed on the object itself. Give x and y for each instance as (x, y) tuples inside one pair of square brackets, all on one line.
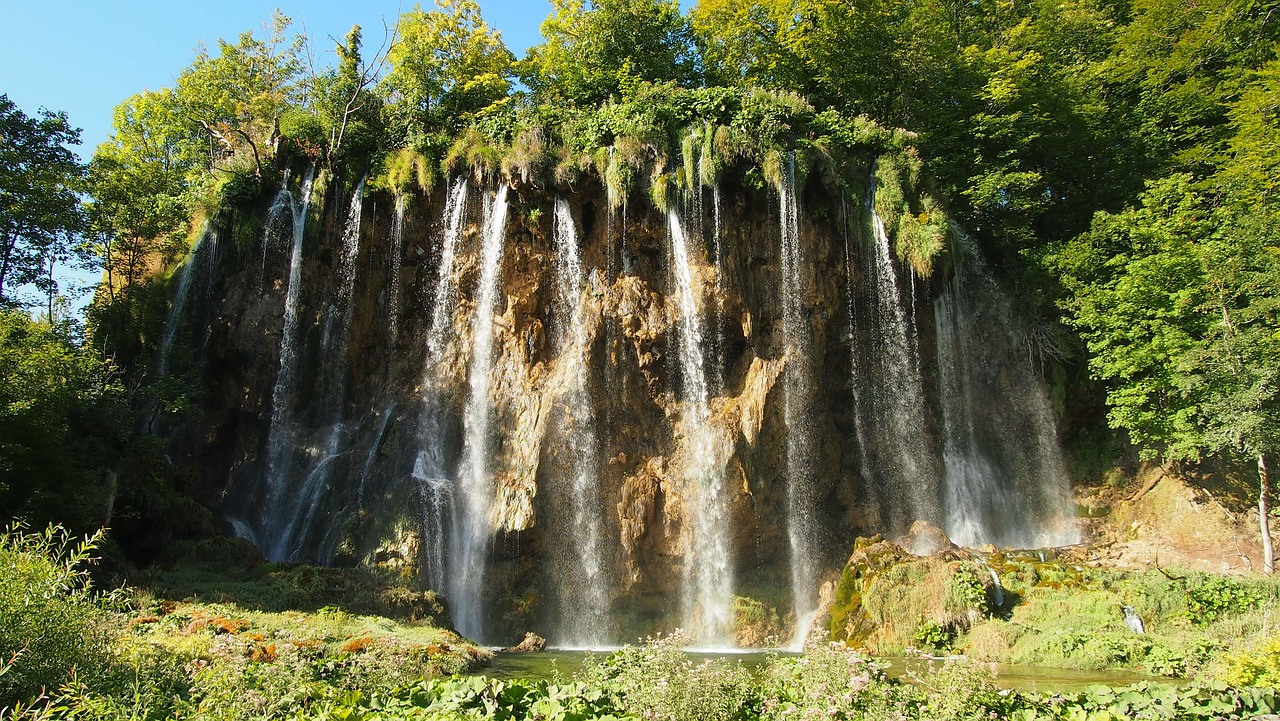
[(906, 472), (708, 595), (435, 489), (719, 363), (275, 215), (180, 296), (802, 531), (393, 294), (367, 468), (435, 499), (996, 589), (442, 301), (586, 599), (282, 432), (1004, 479), (305, 503), (857, 372), (473, 525)]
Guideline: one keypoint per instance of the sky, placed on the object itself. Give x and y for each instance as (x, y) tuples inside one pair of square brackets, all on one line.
[(86, 56)]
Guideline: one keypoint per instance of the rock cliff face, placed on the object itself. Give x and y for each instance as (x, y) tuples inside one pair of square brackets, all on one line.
[(688, 502)]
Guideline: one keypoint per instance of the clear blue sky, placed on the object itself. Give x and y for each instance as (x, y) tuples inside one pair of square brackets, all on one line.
[(85, 56)]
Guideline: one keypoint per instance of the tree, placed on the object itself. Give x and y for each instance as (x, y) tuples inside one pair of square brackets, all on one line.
[(235, 100), (53, 394), (1178, 301), (39, 208), (345, 99), (447, 64), (592, 53)]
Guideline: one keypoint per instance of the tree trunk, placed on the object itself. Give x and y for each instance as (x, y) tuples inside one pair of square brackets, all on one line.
[(1264, 522)]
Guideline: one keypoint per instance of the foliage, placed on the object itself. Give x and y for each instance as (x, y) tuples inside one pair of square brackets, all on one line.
[(53, 393), (595, 53), (1215, 596), (691, 690), (50, 624), (1256, 666), (446, 65), (39, 209)]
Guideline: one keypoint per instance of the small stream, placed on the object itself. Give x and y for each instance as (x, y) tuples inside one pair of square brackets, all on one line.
[(565, 663)]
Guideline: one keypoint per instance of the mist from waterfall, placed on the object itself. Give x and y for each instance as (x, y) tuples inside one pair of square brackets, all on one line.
[(585, 595), (1005, 481), (708, 591), (472, 510)]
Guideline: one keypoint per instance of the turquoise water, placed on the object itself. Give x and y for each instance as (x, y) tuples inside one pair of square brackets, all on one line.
[(549, 664)]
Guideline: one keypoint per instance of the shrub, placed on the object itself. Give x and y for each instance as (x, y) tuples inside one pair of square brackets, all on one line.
[(1256, 666), (659, 680), (1215, 596), (50, 625)]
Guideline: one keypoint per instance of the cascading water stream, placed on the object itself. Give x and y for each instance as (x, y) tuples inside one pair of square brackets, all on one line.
[(434, 486), (897, 395), (180, 296), (393, 293), (857, 372), (1004, 478), (473, 527), (708, 594), (282, 432), (306, 502), (366, 469), (586, 597), (802, 530), (717, 250)]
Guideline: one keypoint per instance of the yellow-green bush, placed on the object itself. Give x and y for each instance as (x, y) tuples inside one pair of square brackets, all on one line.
[(1255, 666)]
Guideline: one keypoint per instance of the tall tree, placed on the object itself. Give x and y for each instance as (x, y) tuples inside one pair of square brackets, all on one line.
[(235, 99), (39, 208), (592, 53), (447, 63)]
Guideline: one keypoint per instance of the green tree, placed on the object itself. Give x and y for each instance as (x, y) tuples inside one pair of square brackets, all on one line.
[(446, 64), (39, 207), (1178, 301), (54, 394), (235, 100), (346, 102), (592, 54)]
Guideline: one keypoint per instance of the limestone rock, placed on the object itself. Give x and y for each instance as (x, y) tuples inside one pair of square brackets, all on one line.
[(532, 643), (924, 539)]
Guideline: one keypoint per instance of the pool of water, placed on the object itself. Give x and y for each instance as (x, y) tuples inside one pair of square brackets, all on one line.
[(564, 663)]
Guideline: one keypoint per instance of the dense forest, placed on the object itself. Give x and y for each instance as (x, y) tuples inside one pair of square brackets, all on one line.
[(1118, 162)]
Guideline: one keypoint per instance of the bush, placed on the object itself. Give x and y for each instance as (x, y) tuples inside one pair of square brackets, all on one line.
[(51, 628), (660, 681), (1256, 666)]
